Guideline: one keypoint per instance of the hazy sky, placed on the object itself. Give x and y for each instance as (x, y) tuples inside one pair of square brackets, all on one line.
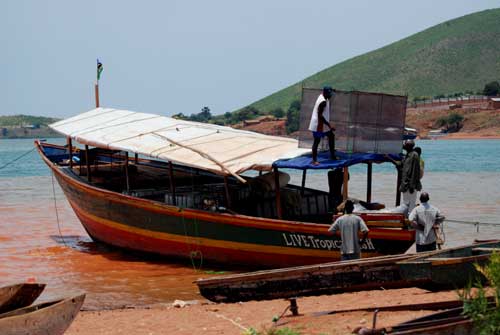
[(169, 57)]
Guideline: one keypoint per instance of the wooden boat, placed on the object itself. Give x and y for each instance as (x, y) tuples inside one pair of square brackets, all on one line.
[(327, 278), (52, 317), (448, 322), (192, 201), (19, 295), (453, 267)]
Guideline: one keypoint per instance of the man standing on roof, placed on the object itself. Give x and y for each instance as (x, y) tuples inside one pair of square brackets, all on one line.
[(350, 225), (425, 219), (410, 178), (320, 119)]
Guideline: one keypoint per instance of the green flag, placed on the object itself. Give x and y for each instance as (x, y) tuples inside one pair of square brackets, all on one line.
[(99, 69)]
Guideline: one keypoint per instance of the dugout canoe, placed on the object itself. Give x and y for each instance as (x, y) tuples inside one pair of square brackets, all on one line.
[(52, 317), (327, 278), (454, 267), (19, 295)]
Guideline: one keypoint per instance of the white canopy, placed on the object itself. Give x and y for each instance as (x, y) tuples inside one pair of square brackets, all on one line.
[(219, 149)]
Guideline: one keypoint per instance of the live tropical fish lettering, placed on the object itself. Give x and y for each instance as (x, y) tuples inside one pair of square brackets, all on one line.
[(312, 242)]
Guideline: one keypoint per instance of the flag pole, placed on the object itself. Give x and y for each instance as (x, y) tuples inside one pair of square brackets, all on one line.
[(97, 94), (99, 70)]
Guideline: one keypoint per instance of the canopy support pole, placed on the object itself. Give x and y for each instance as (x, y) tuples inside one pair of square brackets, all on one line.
[(87, 163), (172, 185), (369, 183), (204, 155), (345, 182), (70, 151), (398, 184), (278, 194), (226, 188), (302, 190), (136, 158), (126, 172)]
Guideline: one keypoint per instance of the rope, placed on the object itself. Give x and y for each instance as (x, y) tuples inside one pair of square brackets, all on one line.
[(17, 158), (475, 223), (57, 213)]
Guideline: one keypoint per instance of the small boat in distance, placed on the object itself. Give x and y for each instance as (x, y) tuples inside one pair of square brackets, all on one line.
[(188, 195), (19, 295), (52, 317)]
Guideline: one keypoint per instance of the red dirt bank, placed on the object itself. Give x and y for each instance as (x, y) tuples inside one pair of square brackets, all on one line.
[(208, 318)]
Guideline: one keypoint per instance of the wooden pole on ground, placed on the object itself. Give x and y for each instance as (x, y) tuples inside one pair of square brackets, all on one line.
[(87, 163), (278, 193), (345, 187), (172, 185), (369, 183)]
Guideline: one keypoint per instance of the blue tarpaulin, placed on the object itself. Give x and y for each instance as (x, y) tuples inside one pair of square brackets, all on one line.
[(344, 159)]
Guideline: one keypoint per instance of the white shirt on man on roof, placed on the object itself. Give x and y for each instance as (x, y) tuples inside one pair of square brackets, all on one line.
[(313, 125)]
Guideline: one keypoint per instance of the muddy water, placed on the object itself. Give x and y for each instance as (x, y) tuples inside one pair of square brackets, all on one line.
[(33, 246)]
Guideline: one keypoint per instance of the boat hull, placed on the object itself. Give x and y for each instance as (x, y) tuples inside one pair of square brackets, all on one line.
[(19, 295), (46, 318), (150, 226)]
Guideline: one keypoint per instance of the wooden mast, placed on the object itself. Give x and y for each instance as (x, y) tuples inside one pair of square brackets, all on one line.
[(97, 94)]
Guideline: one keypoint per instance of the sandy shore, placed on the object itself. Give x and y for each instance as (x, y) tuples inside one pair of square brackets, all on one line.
[(203, 317), (462, 136)]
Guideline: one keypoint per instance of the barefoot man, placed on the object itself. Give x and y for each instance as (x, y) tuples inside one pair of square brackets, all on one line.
[(319, 121)]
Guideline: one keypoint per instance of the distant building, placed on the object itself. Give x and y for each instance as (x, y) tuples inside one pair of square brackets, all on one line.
[(494, 103)]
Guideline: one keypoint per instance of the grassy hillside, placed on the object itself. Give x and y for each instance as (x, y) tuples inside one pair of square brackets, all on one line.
[(24, 120), (26, 126), (456, 56)]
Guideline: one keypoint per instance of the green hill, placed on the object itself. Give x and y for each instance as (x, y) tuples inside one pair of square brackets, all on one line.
[(26, 126), (455, 56), (24, 120)]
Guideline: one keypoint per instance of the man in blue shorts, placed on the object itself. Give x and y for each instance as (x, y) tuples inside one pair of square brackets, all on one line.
[(319, 119)]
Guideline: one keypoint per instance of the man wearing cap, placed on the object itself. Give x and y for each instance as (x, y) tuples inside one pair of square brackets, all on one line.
[(425, 219), (410, 176), (320, 119), (349, 226)]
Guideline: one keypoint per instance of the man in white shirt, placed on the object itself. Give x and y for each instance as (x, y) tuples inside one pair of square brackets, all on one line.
[(425, 219), (320, 118), (350, 225)]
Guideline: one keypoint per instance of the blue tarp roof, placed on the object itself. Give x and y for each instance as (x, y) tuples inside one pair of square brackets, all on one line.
[(344, 159)]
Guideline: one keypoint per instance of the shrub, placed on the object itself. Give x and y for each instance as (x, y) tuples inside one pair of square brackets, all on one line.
[(293, 117), (491, 89), (486, 317)]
